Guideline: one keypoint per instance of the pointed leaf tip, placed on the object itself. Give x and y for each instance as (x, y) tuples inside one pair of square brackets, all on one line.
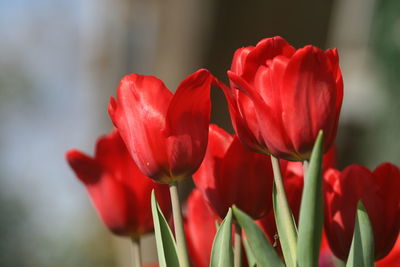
[(362, 251), (222, 253), (311, 211)]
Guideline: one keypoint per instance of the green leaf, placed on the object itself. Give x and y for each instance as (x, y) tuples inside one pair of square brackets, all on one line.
[(251, 259), (362, 246), (311, 211), (166, 246), (262, 252), (287, 250), (222, 253)]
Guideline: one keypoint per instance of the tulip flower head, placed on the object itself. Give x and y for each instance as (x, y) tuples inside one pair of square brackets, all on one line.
[(230, 174), (280, 97), (166, 134), (118, 190), (378, 191)]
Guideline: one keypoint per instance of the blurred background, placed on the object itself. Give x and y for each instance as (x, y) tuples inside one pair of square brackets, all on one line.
[(60, 61)]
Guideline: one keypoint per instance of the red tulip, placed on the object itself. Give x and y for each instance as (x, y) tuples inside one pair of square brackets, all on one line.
[(232, 175), (166, 134), (378, 191), (118, 190), (285, 97), (393, 259), (200, 228)]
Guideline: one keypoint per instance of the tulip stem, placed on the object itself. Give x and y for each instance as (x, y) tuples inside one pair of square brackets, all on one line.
[(285, 211), (238, 246), (179, 232), (136, 256)]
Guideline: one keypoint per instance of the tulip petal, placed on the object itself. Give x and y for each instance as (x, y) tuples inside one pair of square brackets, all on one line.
[(268, 121), (333, 61), (239, 59), (387, 210), (200, 228), (139, 116), (246, 180), (393, 259), (187, 123), (266, 49), (112, 200), (87, 169), (309, 93), (243, 123), (207, 175), (111, 152), (268, 82)]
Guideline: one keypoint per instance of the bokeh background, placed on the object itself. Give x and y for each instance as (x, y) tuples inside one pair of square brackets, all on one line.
[(60, 61)]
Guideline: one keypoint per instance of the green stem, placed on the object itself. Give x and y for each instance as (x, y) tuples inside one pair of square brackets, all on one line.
[(136, 256), (179, 231), (287, 217), (238, 246)]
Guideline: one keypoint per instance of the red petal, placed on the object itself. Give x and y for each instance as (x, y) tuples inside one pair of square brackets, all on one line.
[(112, 152), (205, 178), (266, 49), (308, 98), (244, 124), (200, 228), (393, 259), (139, 116), (268, 121), (268, 82), (87, 169), (187, 121), (386, 208), (246, 180), (239, 59), (111, 200)]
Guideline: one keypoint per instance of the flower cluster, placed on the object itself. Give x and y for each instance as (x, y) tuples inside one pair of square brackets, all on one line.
[(283, 102)]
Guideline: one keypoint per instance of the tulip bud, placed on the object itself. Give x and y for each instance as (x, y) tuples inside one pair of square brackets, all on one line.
[(118, 190)]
